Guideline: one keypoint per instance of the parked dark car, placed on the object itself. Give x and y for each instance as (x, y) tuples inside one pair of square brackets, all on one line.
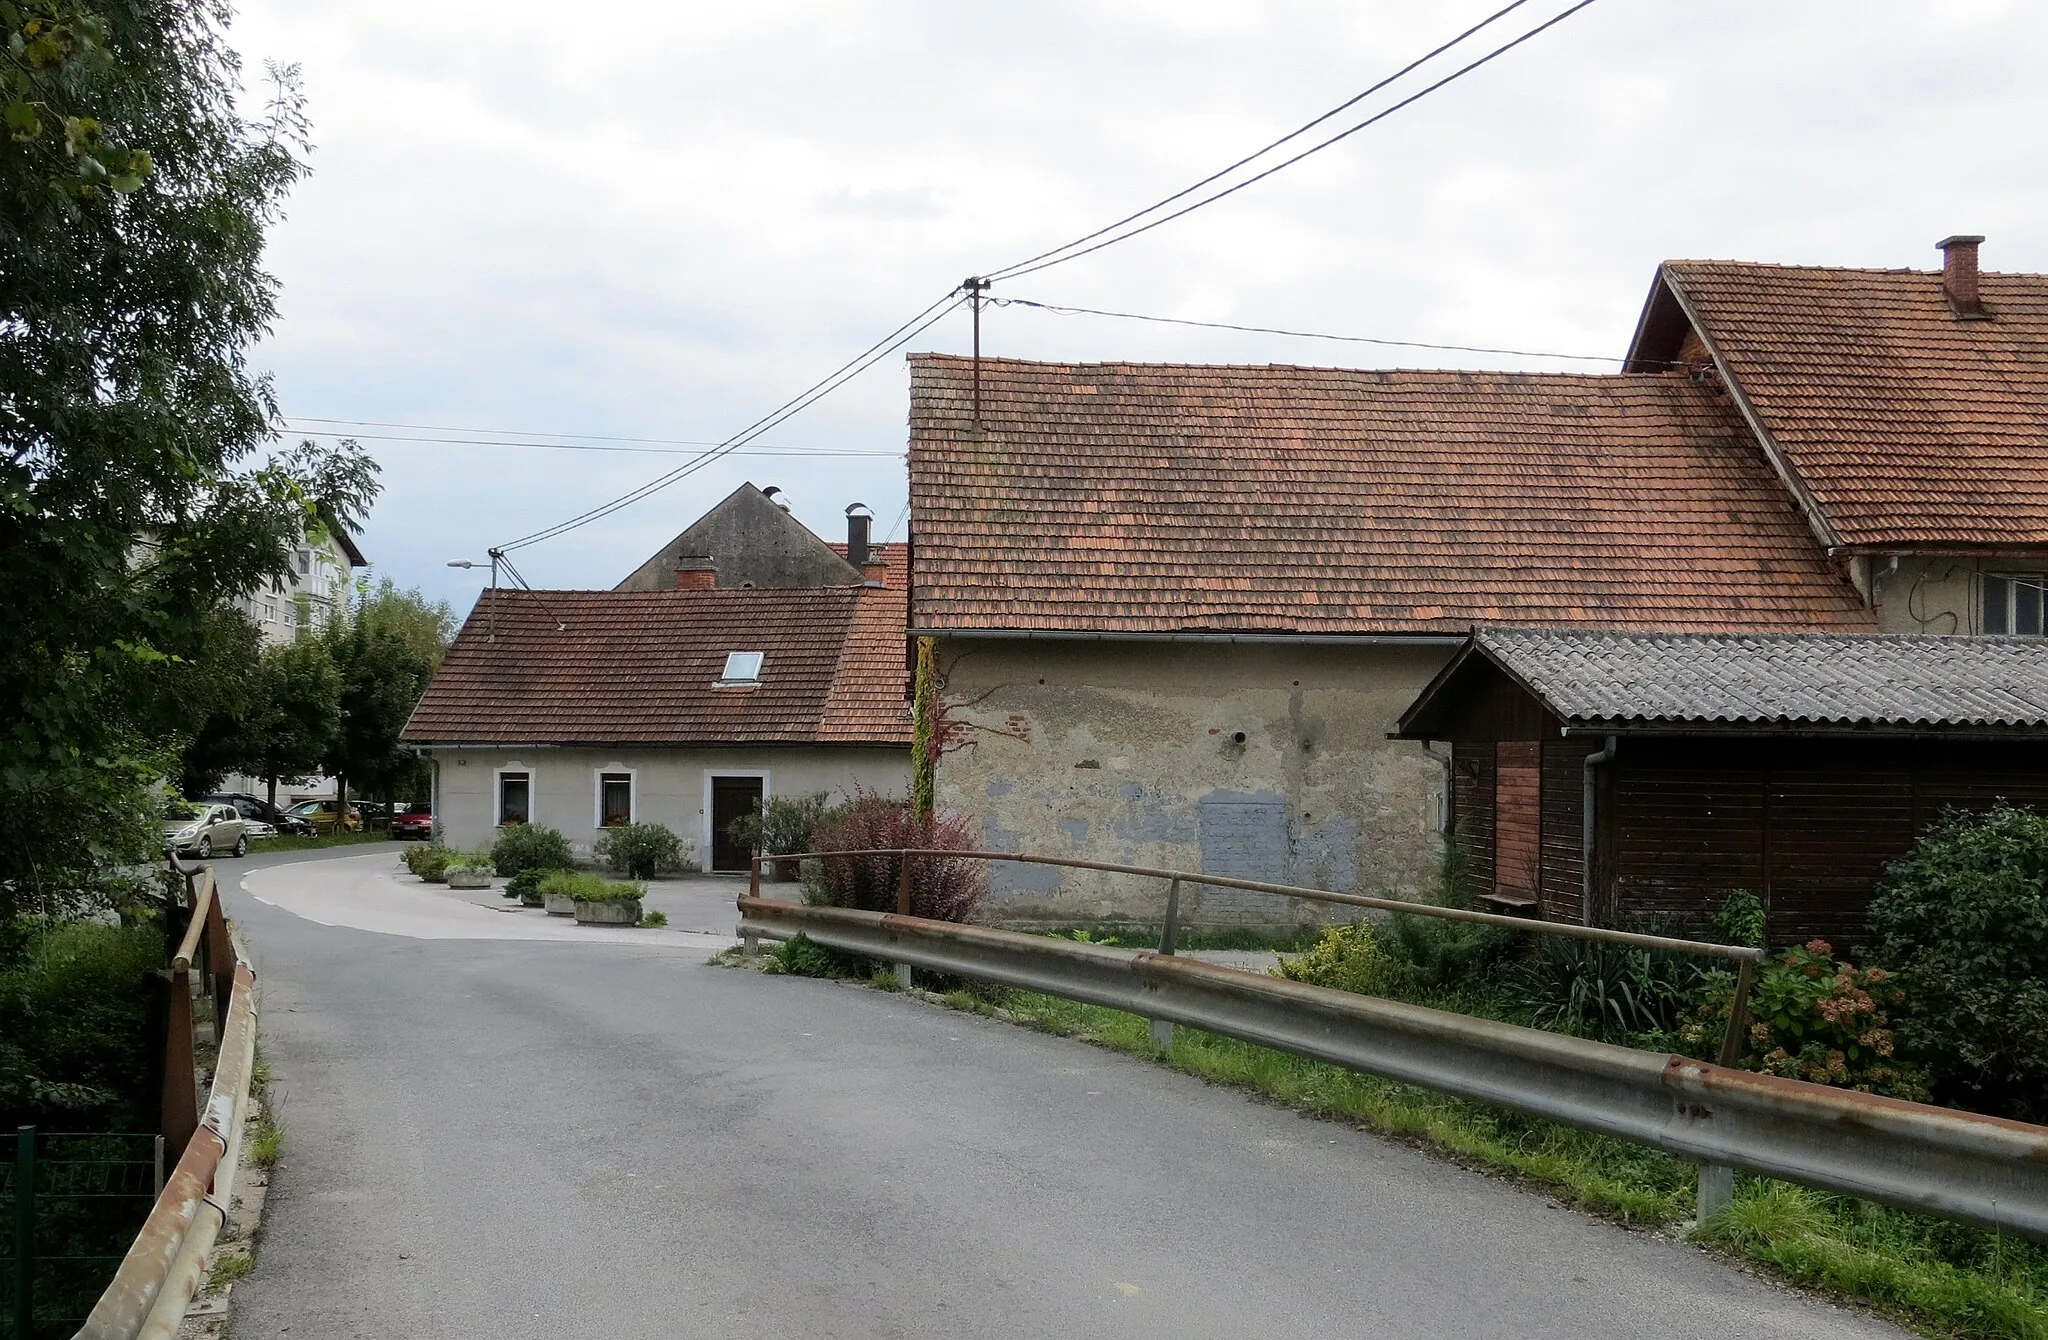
[(263, 812), (414, 821)]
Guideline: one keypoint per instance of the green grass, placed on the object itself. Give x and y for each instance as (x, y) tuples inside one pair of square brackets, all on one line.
[(286, 842), (229, 1268), (1943, 1277)]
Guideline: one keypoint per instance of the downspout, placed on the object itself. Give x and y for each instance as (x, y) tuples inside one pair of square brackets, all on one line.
[(1587, 830), (1443, 807)]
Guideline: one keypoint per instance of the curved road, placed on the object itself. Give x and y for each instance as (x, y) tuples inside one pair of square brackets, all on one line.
[(599, 1136)]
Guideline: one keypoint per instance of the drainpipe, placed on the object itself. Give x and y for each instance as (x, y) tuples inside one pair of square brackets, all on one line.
[(1605, 755), (1443, 808)]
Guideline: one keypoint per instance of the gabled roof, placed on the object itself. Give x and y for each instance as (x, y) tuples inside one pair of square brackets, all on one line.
[(1164, 499), (1876, 684), (639, 667), (1904, 425), (753, 542)]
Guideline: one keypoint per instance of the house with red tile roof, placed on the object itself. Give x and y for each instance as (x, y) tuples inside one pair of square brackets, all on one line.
[(1178, 610), (685, 705)]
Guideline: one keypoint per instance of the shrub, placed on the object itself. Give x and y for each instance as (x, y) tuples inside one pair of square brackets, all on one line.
[(1963, 921), (640, 850), (1346, 958), (74, 1027), (1608, 991), (1440, 954), (525, 846), (526, 881), (655, 919), (801, 956), (429, 860), (783, 824), (1740, 920), (475, 860), (944, 888), (1815, 1019), (589, 888)]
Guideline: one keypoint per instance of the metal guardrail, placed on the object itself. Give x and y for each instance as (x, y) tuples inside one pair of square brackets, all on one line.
[(1745, 957), (165, 1267), (1977, 1169)]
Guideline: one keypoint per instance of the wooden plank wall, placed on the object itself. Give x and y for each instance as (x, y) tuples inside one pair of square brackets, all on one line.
[(1564, 778), (1518, 817), (1472, 811)]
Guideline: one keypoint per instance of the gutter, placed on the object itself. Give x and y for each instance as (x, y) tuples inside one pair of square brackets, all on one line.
[(1273, 639), (1587, 828), (1443, 811)]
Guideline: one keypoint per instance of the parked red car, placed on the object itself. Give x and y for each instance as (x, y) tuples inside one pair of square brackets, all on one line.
[(414, 821)]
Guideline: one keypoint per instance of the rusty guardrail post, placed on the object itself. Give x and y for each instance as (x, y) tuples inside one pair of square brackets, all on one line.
[(1717, 1180), (180, 1089), (1162, 1029), (220, 959), (903, 974)]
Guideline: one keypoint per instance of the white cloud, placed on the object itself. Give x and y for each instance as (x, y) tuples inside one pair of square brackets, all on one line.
[(661, 219)]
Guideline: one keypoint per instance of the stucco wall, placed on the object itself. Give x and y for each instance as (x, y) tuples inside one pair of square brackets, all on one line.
[(1939, 595), (669, 785), (1129, 752)]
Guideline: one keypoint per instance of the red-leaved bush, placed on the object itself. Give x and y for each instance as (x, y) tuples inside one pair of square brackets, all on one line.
[(943, 888)]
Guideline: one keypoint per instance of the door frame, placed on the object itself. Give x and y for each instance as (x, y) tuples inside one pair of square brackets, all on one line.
[(704, 852)]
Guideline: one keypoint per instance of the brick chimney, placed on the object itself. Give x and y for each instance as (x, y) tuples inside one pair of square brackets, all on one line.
[(875, 572), (1959, 276), (696, 572)]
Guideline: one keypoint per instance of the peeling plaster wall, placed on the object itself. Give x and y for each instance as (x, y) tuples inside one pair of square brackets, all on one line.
[(1129, 752)]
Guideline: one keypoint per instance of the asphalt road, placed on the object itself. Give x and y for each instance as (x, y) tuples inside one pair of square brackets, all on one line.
[(512, 1138)]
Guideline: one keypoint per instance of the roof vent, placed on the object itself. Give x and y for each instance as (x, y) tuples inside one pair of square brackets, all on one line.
[(742, 667), (773, 493), (1959, 276), (859, 527)]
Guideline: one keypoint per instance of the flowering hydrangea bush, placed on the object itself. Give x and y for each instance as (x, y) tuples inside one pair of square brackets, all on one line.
[(1819, 1019)]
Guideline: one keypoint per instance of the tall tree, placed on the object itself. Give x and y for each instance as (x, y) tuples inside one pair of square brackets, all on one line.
[(133, 203), (386, 650), (215, 694), (291, 733)]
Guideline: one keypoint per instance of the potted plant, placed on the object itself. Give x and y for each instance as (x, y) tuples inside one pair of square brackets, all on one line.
[(559, 890), (429, 861), (609, 904), (470, 872), (777, 827)]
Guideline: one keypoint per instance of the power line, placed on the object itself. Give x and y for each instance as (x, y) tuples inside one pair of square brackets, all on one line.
[(1030, 267), (1294, 134), (587, 446), (817, 391), (1302, 334), (503, 432)]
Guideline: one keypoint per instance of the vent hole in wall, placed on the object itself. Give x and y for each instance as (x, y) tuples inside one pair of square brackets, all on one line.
[(1237, 738)]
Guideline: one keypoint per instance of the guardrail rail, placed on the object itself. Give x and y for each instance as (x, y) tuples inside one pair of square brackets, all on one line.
[(1961, 1165), (165, 1267)]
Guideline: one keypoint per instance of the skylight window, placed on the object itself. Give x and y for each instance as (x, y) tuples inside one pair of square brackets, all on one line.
[(742, 667)]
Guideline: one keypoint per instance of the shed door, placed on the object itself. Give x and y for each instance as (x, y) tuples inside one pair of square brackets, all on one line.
[(1517, 816)]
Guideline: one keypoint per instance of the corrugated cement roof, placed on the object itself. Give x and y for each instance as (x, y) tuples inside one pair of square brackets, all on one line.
[(1780, 679)]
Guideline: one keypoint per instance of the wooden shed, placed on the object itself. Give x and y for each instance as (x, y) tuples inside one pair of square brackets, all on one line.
[(1606, 777)]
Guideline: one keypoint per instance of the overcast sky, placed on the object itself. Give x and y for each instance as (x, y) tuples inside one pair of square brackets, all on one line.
[(661, 218)]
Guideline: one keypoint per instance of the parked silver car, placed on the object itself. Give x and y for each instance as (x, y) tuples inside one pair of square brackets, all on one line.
[(198, 828)]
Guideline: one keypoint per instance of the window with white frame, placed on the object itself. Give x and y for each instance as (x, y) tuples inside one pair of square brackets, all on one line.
[(614, 799), (515, 798), (2013, 602), (742, 667)]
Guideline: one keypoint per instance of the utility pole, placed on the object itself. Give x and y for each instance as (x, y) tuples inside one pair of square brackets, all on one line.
[(975, 286)]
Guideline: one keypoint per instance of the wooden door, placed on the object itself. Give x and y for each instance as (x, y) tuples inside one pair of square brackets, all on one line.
[(1517, 818), (731, 798)]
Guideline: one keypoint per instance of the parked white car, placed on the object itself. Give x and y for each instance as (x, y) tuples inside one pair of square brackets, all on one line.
[(194, 828)]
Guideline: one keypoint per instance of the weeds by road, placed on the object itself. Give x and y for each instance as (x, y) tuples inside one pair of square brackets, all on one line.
[(288, 842)]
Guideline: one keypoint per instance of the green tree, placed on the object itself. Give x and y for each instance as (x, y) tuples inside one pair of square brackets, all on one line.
[(291, 732), (386, 649), (133, 203), (215, 692)]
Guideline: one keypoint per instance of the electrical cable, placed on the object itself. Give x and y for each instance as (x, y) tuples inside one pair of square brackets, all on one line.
[(296, 419), (852, 368), (1025, 268), (1294, 134), (583, 446), (1301, 334)]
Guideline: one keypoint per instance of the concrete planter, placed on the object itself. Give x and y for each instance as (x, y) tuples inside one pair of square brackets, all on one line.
[(530, 898), (625, 912), (559, 905), (469, 879)]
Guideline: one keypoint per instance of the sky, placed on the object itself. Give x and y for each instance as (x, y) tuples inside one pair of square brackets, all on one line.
[(663, 218)]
